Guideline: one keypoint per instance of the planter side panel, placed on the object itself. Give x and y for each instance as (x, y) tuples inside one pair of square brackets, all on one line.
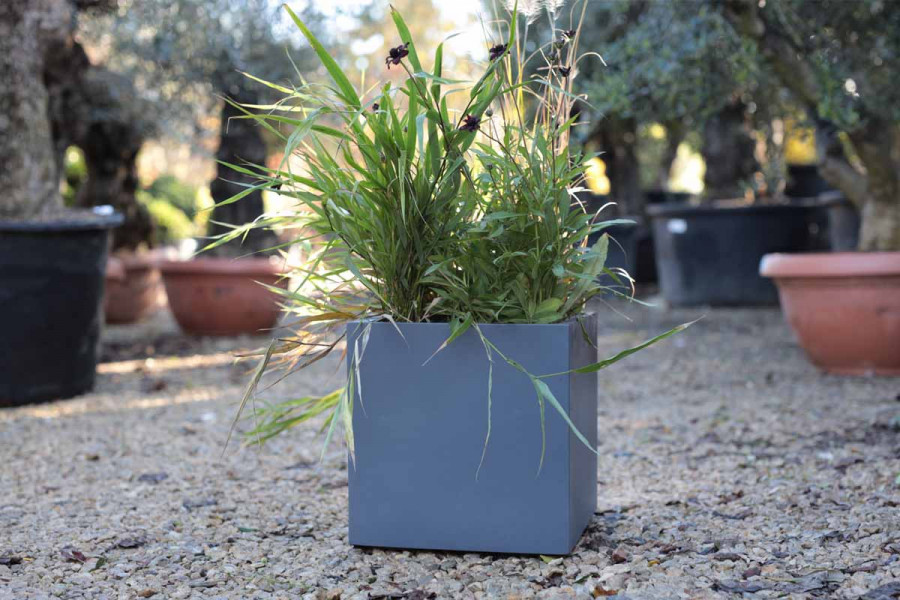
[(583, 398), (420, 432)]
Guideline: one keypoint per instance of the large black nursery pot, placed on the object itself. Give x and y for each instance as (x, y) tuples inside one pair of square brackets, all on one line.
[(420, 427), (709, 255), (51, 292), (805, 181)]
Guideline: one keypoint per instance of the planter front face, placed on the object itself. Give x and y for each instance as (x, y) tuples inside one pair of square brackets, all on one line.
[(420, 431), (710, 256)]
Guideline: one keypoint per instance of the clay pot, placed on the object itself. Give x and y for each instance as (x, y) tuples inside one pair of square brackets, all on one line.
[(134, 287), (221, 296), (844, 308)]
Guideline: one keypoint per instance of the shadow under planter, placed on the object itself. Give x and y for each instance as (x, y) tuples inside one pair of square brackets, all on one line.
[(709, 255), (420, 429), (221, 296), (51, 290)]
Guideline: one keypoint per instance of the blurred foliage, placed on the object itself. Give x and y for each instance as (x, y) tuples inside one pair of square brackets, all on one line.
[(172, 225), (74, 175), (176, 192), (184, 54), (173, 207), (666, 61), (854, 47)]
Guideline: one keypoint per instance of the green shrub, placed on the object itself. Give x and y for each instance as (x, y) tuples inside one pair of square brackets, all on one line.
[(172, 225), (75, 173), (176, 192)]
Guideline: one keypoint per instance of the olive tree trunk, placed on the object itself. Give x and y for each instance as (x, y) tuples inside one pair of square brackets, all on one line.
[(728, 151), (240, 142), (112, 134), (616, 139), (875, 140), (29, 178)]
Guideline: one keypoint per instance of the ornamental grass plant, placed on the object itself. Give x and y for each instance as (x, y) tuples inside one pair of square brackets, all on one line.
[(417, 212)]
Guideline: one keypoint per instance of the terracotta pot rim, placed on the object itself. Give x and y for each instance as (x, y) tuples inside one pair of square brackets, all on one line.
[(145, 258), (830, 264), (223, 266)]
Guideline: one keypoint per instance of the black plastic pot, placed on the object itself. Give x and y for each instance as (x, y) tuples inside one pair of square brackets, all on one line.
[(665, 196), (710, 255), (51, 291), (805, 181)]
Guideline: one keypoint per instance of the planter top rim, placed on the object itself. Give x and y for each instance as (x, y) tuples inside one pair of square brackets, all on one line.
[(223, 266), (682, 209), (830, 264), (566, 323), (80, 221)]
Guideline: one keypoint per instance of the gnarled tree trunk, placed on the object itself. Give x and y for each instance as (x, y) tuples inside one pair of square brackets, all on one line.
[(616, 139), (240, 141), (113, 134), (29, 178), (728, 151)]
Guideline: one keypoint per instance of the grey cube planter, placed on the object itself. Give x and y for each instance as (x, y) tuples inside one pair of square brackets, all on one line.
[(419, 434)]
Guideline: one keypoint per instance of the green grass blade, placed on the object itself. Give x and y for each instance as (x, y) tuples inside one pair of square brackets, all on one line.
[(347, 91)]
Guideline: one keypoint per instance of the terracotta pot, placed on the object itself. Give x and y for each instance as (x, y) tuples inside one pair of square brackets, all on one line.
[(220, 296), (844, 308), (134, 287)]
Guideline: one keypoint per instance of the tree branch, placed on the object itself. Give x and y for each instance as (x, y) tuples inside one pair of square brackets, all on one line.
[(835, 167)]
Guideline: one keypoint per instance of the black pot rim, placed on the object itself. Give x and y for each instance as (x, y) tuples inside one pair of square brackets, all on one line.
[(86, 222), (681, 209)]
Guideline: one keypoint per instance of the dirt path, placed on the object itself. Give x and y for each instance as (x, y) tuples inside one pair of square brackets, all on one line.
[(729, 468)]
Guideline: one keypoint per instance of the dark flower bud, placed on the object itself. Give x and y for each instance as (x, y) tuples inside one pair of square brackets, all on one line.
[(496, 52), (375, 107), (489, 113), (395, 55), (569, 33), (470, 123), (564, 71)]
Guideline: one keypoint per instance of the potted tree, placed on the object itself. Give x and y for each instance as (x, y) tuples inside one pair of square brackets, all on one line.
[(705, 88), (218, 293), (844, 306), (449, 258), (52, 260)]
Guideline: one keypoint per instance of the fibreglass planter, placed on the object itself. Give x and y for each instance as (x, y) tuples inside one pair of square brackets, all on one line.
[(420, 429)]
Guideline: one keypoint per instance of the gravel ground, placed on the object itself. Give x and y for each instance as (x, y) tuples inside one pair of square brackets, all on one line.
[(729, 468)]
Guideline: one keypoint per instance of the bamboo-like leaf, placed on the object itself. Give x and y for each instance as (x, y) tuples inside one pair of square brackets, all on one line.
[(624, 353), (457, 328), (544, 390), (347, 91), (406, 37)]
